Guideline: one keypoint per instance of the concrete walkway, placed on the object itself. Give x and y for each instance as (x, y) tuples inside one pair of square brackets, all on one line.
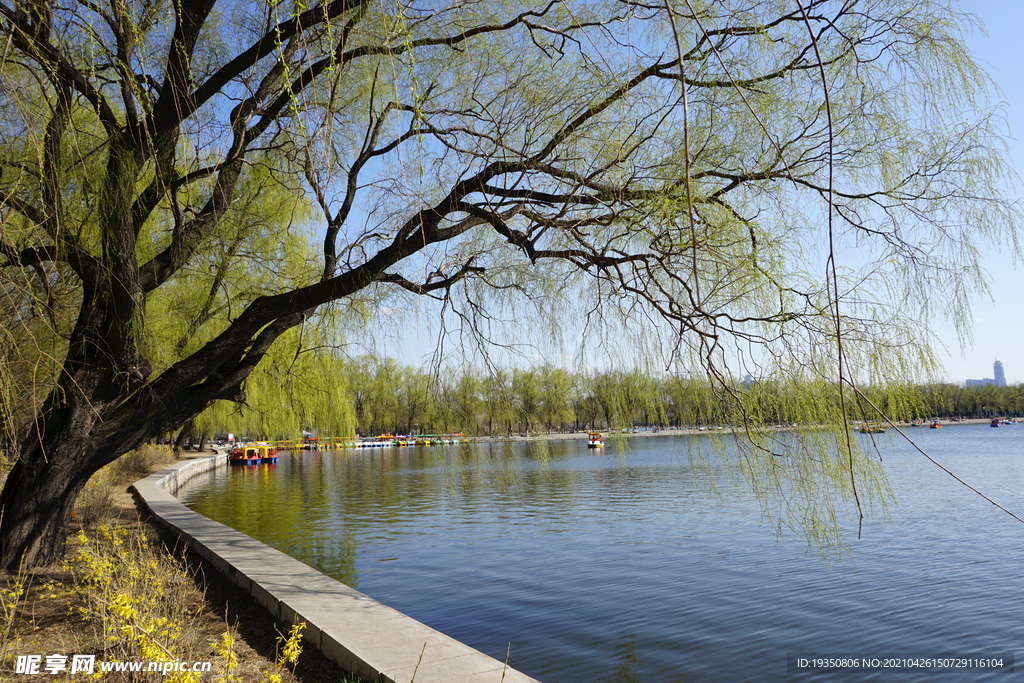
[(360, 634)]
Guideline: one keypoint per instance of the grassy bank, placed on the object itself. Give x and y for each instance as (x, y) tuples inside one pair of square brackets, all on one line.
[(124, 593)]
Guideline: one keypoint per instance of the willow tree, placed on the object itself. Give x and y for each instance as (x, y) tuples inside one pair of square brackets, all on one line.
[(776, 177)]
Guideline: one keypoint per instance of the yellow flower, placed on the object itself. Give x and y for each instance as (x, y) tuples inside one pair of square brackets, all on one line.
[(122, 607), (292, 645), (225, 650)]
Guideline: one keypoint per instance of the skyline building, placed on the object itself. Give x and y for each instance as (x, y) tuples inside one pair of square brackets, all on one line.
[(997, 370), (1000, 378), (999, 381)]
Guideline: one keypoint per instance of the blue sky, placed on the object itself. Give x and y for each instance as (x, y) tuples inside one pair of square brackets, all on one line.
[(998, 323)]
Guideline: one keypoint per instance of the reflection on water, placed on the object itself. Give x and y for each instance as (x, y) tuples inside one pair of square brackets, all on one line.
[(619, 566)]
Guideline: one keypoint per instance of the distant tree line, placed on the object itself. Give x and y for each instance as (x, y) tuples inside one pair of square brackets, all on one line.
[(388, 397), (953, 400), (370, 396)]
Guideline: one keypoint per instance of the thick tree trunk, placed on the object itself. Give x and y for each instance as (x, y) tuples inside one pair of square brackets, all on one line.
[(37, 501), (69, 441), (56, 462), (101, 411)]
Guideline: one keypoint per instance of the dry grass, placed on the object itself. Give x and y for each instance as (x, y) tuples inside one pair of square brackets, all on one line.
[(103, 500), (122, 595)]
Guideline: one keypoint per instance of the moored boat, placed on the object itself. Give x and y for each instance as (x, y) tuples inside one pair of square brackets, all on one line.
[(253, 454), (244, 456)]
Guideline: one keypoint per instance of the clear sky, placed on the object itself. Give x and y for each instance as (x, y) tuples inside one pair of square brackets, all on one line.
[(998, 322)]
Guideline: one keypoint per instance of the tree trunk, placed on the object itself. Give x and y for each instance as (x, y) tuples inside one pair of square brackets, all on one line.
[(38, 499), (87, 422), (186, 431)]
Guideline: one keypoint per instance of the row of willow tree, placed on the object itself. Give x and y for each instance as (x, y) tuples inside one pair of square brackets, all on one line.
[(371, 396)]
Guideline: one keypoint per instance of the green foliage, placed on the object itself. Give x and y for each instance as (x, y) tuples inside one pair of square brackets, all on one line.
[(379, 396), (295, 388)]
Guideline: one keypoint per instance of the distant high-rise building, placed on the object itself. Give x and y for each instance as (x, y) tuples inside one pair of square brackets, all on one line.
[(999, 381), (997, 368)]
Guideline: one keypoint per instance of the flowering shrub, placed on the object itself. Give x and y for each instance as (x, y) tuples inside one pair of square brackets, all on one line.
[(130, 593)]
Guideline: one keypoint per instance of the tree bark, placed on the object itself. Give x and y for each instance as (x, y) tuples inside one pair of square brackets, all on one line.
[(38, 499), (91, 419), (185, 432)]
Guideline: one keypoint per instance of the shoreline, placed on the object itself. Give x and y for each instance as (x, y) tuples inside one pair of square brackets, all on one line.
[(564, 436)]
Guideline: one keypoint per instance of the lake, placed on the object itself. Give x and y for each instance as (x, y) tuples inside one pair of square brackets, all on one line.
[(621, 566)]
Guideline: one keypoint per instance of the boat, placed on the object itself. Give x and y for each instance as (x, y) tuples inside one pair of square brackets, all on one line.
[(253, 454), (595, 440), (869, 428), (244, 456), (936, 424), (994, 423)]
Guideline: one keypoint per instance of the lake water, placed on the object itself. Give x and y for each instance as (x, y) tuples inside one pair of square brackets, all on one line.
[(621, 567)]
